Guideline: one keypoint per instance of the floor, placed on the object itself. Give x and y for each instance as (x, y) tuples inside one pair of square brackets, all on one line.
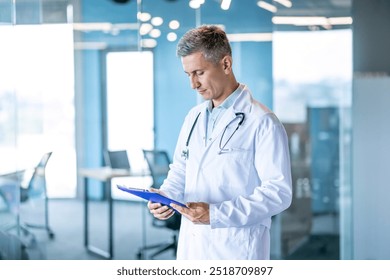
[(66, 220)]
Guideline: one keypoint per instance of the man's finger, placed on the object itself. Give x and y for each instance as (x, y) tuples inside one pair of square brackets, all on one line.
[(180, 209)]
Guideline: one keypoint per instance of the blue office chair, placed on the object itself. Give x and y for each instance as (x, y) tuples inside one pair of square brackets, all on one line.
[(117, 159), (36, 188), (158, 162)]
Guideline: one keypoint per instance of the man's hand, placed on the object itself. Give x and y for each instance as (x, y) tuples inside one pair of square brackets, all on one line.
[(157, 210), (197, 212)]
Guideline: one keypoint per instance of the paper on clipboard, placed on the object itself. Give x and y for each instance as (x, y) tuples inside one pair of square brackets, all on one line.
[(151, 196)]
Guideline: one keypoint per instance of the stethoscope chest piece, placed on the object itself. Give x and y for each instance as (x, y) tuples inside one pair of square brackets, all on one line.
[(185, 153)]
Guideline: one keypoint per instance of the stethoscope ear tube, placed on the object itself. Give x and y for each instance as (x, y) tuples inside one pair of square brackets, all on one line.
[(242, 115), (222, 147)]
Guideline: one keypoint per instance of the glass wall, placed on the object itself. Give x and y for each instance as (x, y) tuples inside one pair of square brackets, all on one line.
[(312, 93), (37, 115)]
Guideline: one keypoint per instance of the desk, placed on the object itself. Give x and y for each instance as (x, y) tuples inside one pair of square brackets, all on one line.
[(103, 174)]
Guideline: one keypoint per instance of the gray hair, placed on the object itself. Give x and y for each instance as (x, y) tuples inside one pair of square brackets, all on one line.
[(210, 40)]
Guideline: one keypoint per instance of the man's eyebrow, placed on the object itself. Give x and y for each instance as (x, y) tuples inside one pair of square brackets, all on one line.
[(196, 70)]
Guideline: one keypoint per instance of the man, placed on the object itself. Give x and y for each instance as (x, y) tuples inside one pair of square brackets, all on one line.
[(231, 164)]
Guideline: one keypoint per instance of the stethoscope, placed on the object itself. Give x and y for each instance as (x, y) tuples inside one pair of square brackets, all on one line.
[(185, 152)]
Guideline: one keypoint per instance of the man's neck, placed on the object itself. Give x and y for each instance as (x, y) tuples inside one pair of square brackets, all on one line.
[(216, 103)]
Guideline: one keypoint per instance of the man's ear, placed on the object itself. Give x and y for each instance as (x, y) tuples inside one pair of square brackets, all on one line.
[(227, 63)]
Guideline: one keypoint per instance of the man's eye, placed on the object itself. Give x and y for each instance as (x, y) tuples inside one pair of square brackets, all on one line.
[(200, 73)]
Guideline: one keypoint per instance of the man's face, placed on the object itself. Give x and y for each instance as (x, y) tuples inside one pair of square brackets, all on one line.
[(208, 79)]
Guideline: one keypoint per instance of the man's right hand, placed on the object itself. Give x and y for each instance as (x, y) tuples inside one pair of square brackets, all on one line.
[(161, 212)]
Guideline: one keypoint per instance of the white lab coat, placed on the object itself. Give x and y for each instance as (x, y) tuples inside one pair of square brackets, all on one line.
[(245, 185)]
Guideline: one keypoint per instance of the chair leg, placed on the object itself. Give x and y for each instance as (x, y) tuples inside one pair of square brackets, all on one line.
[(21, 229), (48, 229), (46, 226), (142, 251), (50, 232), (161, 248), (28, 237), (171, 246)]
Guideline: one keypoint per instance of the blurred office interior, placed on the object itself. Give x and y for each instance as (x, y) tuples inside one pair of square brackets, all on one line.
[(82, 77)]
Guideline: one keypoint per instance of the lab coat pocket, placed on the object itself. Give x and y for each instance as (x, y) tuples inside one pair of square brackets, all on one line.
[(229, 243), (235, 165)]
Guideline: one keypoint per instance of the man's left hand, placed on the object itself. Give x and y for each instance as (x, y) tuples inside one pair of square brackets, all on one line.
[(197, 212)]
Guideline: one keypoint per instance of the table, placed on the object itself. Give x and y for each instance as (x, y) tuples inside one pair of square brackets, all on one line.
[(104, 174)]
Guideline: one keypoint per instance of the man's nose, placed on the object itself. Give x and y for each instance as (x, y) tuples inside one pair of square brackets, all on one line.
[(194, 83)]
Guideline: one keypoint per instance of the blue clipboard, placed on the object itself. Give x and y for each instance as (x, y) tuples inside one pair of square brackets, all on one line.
[(151, 196)]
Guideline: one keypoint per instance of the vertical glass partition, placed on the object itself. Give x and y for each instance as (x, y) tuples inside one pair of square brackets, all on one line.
[(36, 112), (312, 89), (10, 246)]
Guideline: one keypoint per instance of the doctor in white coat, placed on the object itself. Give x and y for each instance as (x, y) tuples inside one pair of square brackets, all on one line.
[(231, 164)]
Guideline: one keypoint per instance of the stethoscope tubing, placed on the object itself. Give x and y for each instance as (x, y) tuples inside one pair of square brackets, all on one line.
[(186, 151)]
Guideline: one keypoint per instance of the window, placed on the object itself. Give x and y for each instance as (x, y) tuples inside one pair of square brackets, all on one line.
[(130, 110), (36, 102)]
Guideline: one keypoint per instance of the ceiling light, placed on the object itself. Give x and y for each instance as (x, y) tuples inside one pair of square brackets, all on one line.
[(104, 26), (174, 24), (171, 36), (145, 28), (340, 20), (286, 3), (89, 45), (155, 33), (250, 37), (300, 20), (157, 21), (126, 26), (144, 16), (307, 21), (194, 4), (267, 6), (225, 4), (148, 43), (92, 26)]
